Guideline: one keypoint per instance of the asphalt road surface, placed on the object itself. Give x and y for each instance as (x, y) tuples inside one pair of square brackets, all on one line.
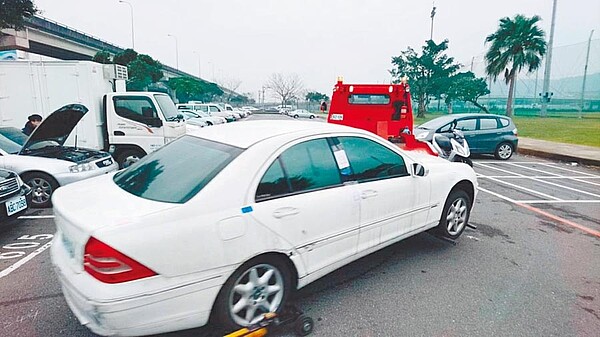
[(531, 268)]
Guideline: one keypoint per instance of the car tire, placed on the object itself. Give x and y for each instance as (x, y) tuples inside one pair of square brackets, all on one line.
[(209, 123), (455, 215), (312, 116), (504, 151), (296, 116), (256, 295), (128, 158), (42, 185)]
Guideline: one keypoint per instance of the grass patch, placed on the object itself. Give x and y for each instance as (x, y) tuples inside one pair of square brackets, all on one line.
[(581, 131)]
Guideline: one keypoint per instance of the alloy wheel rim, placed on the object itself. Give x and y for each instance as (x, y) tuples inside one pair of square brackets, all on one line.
[(456, 216), (41, 190), (257, 291), (505, 151)]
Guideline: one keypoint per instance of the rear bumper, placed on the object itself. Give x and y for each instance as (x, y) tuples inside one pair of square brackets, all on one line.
[(149, 306)]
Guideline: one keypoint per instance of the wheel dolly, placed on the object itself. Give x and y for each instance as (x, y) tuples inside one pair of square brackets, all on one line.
[(272, 322)]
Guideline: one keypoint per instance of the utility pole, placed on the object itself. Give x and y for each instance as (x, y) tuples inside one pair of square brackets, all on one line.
[(546, 91), (432, 15), (587, 58)]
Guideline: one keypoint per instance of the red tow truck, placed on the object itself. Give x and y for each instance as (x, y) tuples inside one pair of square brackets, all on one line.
[(384, 109)]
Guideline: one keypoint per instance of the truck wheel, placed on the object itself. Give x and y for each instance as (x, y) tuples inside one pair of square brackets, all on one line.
[(128, 158), (42, 185)]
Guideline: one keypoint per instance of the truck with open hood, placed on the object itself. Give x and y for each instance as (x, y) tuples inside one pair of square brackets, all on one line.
[(128, 125)]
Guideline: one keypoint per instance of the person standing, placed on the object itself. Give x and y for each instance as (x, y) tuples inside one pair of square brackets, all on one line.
[(32, 122)]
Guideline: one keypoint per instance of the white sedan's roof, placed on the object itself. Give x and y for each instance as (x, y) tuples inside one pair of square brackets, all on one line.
[(244, 134)]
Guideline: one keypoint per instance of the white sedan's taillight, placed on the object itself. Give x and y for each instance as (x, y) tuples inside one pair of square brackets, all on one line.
[(108, 265)]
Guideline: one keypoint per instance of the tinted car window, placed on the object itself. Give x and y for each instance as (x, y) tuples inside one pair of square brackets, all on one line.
[(369, 99), (310, 165), (139, 109), (488, 123), (466, 124), (273, 183), (372, 161), (168, 176)]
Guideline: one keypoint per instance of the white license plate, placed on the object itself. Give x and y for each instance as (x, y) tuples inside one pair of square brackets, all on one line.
[(15, 205)]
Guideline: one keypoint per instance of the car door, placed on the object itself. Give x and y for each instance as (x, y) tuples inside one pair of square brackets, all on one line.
[(488, 134), (388, 194), (301, 198), (469, 128)]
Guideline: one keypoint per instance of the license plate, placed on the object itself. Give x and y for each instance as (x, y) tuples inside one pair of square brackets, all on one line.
[(15, 205)]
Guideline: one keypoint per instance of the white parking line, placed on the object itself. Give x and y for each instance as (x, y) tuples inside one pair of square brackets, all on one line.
[(24, 260), (541, 181), (524, 189), (585, 175), (36, 217), (558, 201)]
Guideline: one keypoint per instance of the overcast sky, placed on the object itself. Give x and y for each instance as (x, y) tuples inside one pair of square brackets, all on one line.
[(248, 40)]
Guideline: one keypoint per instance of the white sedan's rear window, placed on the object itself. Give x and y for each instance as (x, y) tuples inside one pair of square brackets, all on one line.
[(178, 171)]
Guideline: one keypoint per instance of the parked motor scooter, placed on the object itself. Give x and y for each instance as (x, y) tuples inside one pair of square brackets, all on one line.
[(452, 146)]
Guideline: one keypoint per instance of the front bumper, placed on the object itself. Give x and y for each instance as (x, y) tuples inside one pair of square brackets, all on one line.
[(155, 305), (71, 177), (24, 191)]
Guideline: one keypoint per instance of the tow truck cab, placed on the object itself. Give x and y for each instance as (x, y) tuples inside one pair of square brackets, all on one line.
[(384, 109)]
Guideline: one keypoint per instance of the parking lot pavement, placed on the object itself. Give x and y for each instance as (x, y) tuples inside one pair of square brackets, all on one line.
[(529, 269)]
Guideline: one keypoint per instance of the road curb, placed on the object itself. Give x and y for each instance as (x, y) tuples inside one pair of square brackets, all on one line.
[(558, 156)]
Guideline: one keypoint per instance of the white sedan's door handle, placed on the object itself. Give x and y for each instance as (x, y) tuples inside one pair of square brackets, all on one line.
[(285, 211), (368, 194)]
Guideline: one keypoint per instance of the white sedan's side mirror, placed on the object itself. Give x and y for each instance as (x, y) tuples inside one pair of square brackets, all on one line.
[(419, 170)]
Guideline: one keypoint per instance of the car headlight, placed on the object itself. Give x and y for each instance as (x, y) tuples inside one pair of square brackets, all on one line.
[(81, 168)]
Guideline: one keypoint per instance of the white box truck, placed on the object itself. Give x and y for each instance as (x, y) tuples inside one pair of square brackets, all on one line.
[(129, 125)]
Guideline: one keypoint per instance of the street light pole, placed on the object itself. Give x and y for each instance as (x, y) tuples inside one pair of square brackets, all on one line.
[(587, 58), (132, 33), (176, 51), (546, 91), (199, 65), (432, 15)]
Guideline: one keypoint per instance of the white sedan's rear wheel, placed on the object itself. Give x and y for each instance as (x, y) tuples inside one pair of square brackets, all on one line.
[(258, 287)]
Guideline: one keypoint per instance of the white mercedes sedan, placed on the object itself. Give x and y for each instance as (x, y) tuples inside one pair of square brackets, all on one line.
[(224, 224)]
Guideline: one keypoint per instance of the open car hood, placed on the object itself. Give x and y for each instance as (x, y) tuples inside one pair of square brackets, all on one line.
[(57, 126)]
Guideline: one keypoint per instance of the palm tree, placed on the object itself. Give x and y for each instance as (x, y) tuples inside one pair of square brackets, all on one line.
[(518, 43)]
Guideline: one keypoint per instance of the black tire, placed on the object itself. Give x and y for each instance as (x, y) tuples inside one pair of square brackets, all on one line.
[(223, 314), (455, 215), (504, 151), (467, 161), (43, 186), (303, 326), (312, 116), (296, 116), (209, 123), (128, 157)]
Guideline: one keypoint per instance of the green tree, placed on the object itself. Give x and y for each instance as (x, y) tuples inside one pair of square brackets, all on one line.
[(428, 73), (315, 97), (466, 87), (517, 43), (189, 89), (125, 57), (143, 70), (103, 57), (14, 12)]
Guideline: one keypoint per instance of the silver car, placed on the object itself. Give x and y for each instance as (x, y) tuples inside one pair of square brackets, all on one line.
[(42, 160)]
